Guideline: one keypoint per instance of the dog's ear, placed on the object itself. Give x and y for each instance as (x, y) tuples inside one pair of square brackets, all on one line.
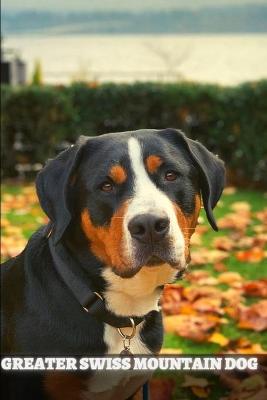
[(52, 185), (211, 173)]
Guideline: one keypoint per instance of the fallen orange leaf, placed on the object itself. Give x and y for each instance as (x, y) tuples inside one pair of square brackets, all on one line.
[(167, 350), (200, 392), (218, 338), (190, 380), (256, 288), (253, 255)]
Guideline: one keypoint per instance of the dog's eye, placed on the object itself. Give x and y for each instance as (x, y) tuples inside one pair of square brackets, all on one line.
[(106, 186), (171, 176)]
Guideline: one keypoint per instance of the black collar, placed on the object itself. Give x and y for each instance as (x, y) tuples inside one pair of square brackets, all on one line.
[(76, 280)]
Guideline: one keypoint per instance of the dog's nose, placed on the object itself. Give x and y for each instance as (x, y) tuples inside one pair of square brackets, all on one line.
[(148, 228)]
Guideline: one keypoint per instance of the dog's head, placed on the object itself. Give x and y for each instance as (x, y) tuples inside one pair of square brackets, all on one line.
[(136, 195)]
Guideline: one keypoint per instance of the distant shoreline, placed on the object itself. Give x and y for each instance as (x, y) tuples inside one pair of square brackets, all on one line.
[(220, 58), (232, 19), (114, 34)]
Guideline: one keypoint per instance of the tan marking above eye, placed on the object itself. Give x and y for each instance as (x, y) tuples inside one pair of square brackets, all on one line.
[(153, 162), (118, 174)]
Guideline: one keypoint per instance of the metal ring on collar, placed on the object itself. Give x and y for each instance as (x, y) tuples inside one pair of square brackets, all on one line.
[(49, 233), (98, 295), (124, 336)]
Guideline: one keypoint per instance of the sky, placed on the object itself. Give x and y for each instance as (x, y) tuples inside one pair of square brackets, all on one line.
[(117, 5)]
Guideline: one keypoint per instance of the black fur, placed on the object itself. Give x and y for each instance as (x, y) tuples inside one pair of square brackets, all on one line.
[(40, 315)]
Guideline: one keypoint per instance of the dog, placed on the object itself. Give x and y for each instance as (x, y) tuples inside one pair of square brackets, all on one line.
[(122, 208)]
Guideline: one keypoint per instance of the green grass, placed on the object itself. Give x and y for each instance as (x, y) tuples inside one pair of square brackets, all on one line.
[(11, 189), (30, 221), (249, 271)]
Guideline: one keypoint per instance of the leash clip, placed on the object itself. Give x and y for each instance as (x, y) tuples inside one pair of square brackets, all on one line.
[(126, 339)]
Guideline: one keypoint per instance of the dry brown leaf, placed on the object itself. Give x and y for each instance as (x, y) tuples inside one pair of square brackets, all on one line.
[(201, 277), (224, 243), (207, 256), (259, 395), (262, 216), (253, 317), (240, 206), (4, 222), (260, 239), (231, 221), (12, 230), (259, 228), (233, 296), (196, 275), (254, 382), (195, 327), (170, 323), (229, 190), (194, 292), (208, 304), (230, 278), (200, 229), (230, 381), (220, 267), (171, 299), (250, 388), (196, 239), (244, 242), (12, 246)]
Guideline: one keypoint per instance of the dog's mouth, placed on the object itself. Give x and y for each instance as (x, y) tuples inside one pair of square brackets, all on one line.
[(158, 261), (151, 257), (155, 260)]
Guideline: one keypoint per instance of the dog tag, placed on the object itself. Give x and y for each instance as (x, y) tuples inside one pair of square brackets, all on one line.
[(126, 352), (126, 340)]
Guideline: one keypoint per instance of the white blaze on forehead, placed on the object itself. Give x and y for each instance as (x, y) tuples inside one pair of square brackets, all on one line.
[(147, 198)]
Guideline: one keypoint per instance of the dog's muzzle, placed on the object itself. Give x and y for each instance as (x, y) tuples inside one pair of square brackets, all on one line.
[(151, 241), (149, 228)]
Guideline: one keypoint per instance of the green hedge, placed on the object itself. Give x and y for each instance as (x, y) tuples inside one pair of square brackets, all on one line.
[(230, 121)]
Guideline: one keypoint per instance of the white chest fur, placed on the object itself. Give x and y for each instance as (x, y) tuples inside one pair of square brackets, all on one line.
[(133, 296), (127, 296)]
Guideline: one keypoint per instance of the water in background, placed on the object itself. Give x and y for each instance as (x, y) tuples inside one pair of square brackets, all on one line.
[(224, 59)]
